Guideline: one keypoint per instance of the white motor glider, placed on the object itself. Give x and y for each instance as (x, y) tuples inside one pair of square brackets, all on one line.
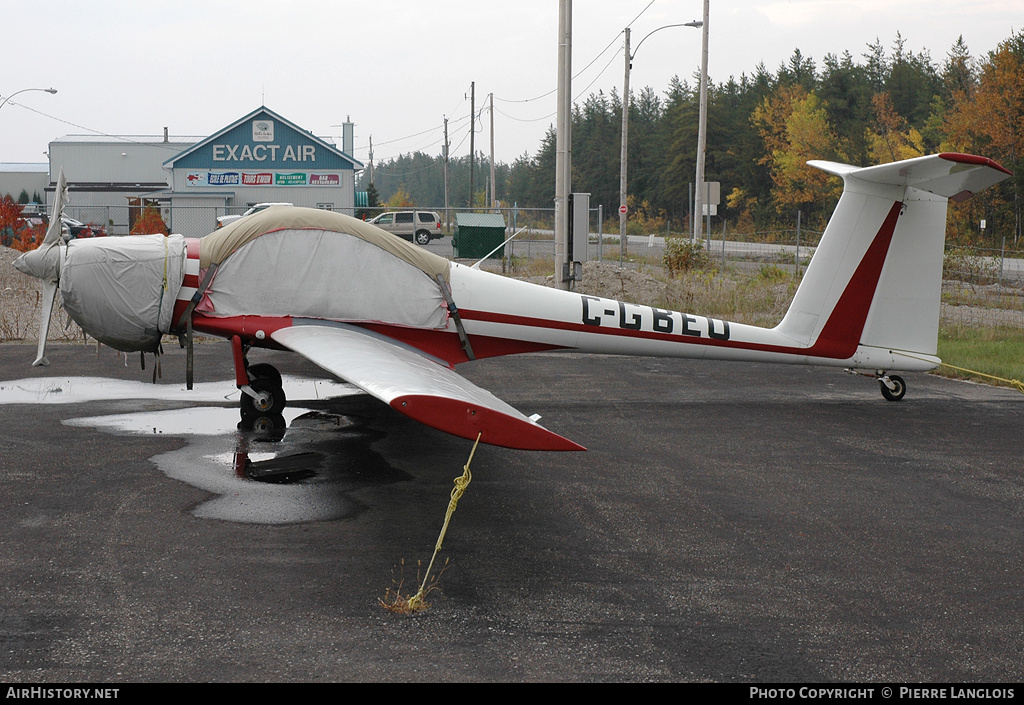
[(394, 319)]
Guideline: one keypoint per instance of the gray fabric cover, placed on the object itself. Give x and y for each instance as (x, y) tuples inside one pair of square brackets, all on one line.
[(220, 244), (130, 284), (323, 274)]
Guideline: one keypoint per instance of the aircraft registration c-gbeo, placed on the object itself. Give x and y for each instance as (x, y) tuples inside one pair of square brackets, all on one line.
[(394, 319)]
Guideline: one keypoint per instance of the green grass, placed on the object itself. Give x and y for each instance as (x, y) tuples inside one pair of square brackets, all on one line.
[(998, 352)]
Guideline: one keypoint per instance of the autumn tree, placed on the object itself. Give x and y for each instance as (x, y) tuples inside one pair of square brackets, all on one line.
[(400, 199), (795, 129), (29, 237), (11, 221), (891, 138), (990, 121), (149, 222)]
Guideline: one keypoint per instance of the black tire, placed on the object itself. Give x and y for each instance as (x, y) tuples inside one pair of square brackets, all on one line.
[(422, 237), (264, 371), (262, 423), (894, 394), (273, 404)]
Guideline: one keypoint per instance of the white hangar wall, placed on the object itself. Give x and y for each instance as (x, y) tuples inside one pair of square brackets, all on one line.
[(260, 158)]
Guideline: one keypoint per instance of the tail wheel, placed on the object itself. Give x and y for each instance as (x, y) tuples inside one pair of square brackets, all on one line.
[(893, 387)]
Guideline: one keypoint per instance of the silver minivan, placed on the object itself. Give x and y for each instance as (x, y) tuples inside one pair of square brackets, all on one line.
[(419, 226)]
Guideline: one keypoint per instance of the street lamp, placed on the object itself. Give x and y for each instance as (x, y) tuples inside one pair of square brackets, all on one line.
[(625, 131), (23, 90), (702, 135)]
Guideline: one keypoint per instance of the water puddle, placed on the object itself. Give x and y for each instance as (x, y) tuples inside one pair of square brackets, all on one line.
[(78, 390), (304, 472), (301, 468)]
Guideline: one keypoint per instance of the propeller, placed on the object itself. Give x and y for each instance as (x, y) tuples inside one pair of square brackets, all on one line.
[(44, 263)]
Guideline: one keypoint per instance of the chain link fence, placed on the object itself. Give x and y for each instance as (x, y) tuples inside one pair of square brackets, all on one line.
[(981, 286)]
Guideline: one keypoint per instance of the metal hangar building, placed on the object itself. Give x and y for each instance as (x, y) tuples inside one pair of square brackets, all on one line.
[(261, 157)]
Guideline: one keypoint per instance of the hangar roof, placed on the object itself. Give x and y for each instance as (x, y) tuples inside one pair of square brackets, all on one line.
[(238, 131)]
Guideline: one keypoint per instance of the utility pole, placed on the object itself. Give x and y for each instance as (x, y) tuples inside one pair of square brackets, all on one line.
[(624, 147), (623, 154), (447, 214), (563, 141), (493, 199), (702, 138), (472, 138), (371, 159)]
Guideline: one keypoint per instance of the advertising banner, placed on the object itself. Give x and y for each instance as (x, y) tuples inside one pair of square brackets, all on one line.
[(199, 179)]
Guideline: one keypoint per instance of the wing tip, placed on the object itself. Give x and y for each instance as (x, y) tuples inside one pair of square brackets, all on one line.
[(974, 160), (468, 420)]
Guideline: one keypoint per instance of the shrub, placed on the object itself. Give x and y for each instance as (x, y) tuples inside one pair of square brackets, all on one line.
[(961, 264), (149, 222), (682, 255)]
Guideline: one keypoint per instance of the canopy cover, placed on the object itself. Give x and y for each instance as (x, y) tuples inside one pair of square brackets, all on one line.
[(218, 245), (305, 262)]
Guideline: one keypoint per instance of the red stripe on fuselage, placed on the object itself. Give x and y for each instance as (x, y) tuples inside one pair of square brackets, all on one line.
[(254, 330), (838, 339), (446, 345)]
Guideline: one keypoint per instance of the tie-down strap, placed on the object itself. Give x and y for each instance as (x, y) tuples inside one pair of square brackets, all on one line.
[(453, 311)]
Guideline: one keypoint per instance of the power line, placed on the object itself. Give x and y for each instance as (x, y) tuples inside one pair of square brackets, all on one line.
[(581, 71), (172, 146)]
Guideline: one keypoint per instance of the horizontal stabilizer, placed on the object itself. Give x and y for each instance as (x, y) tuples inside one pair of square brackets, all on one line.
[(949, 175)]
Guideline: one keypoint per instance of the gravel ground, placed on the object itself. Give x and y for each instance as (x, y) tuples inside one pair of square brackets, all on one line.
[(20, 299)]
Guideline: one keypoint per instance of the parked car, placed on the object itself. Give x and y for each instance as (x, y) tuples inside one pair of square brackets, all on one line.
[(418, 226), (77, 228), (225, 219)]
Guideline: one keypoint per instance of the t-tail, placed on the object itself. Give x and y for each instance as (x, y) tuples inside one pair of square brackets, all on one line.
[(869, 299), (871, 293)]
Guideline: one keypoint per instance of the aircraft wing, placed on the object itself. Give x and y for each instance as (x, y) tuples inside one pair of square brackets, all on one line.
[(416, 385)]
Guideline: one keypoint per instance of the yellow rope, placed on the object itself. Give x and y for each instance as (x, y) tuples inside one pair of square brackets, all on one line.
[(1012, 382), (1016, 383), (416, 603)]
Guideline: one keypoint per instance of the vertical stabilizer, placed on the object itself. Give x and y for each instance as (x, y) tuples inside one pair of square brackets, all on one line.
[(876, 276)]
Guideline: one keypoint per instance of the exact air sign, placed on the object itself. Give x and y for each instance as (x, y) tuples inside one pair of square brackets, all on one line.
[(263, 150)]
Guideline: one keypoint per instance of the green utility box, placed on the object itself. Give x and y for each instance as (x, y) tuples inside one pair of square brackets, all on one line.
[(476, 234)]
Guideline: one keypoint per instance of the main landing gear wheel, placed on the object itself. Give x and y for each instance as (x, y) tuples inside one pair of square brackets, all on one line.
[(262, 370), (893, 387), (269, 399)]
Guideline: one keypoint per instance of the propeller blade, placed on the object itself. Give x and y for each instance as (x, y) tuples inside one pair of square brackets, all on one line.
[(49, 293), (44, 263), (60, 197)]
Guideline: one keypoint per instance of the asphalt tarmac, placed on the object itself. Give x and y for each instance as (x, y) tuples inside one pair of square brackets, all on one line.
[(729, 523)]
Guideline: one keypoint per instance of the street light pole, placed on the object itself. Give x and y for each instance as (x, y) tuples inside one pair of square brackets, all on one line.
[(702, 138), (623, 153), (23, 90), (624, 147), (563, 142)]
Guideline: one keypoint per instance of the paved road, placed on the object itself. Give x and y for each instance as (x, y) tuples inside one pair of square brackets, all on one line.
[(730, 522), (654, 246)]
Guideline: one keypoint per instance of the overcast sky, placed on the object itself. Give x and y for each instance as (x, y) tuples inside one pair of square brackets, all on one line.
[(398, 67)]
